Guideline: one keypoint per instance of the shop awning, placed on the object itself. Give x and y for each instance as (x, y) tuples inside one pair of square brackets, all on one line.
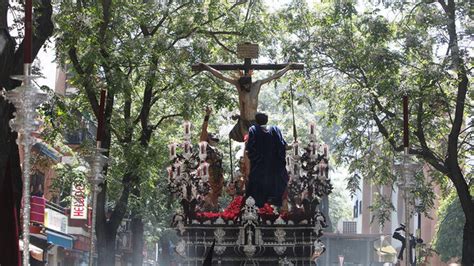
[(47, 150), (387, 250), (35, 252), (60, 239)]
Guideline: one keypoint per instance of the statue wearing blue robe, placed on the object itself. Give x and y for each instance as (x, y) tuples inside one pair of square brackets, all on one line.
[(268, 177)]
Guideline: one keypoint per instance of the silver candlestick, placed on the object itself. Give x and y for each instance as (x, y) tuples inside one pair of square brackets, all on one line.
[(96, 162), (26, 99)]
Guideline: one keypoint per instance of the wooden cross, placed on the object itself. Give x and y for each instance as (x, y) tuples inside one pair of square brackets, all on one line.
[(247, 51)]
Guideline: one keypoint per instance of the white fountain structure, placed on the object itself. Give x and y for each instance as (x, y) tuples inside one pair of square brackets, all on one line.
[(26, 99)]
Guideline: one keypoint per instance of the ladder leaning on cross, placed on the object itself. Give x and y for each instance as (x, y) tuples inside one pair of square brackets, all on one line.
[(248, 90)]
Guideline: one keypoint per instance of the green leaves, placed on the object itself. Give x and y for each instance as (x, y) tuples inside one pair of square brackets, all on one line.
[(381, 208), (365, 61), (358, 66), (447, 241), (141, 53)]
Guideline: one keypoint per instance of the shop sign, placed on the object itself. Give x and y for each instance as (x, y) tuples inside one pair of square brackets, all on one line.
[(78, 202), (55, 220)]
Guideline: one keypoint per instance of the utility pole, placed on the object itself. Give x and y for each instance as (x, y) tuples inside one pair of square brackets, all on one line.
[(406, 182)]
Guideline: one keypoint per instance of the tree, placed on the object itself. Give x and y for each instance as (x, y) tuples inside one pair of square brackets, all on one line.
[(141, 54), (366, 63), (11, 63), (449, 227)]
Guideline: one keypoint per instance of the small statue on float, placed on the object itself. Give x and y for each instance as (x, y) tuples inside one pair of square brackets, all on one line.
[(208, 146)]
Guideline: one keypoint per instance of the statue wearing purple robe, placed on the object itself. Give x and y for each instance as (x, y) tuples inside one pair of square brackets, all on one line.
[(266, 150)]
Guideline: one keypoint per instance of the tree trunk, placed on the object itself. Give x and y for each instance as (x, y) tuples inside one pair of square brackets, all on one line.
[(105, 233), (10, 198), (106, 229), (467, 205), (164, 255), (137, 239), (468, 244), (452, 161), (10, 181), (106, 247)]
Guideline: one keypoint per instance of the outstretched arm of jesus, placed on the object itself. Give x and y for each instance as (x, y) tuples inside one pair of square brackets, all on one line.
[(277, 74), (216, 73), (204, 133)]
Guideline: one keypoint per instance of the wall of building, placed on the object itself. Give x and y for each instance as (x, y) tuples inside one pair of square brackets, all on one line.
[(363, 217)]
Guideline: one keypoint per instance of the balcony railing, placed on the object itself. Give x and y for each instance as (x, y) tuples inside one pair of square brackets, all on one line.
[(79, 136)]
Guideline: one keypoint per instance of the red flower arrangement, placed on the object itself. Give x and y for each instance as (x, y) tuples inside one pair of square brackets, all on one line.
[(267, 213), (267, 209), (207, 215), (233, 210), (284, 215), (230, 213)]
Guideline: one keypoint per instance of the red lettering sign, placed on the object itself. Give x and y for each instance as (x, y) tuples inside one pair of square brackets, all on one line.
[(78, 202)]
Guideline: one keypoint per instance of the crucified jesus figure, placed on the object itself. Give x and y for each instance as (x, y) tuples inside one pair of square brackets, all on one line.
[(248, 97)]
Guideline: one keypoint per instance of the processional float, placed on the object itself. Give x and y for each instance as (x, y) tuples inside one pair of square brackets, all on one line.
[(244, 233)]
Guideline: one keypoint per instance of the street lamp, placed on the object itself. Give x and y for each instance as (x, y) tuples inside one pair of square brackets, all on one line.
[(406, 182), (418, 207), (96, 162)]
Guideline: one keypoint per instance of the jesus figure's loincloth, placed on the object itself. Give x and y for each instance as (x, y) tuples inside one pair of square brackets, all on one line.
[(240, 129)]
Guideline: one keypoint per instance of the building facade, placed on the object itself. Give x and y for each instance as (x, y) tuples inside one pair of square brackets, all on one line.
[(367, 224)]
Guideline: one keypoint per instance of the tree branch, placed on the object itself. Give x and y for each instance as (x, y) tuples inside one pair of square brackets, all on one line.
[(193, 30), (221, 32), (163, 118), (86, 82), (383, 130), (446, 101), (44, 29), (443, 5), (155, 97), (181, 38), (105, 18), (121, 207), (427, 152), (145, 30), (222, 45), (382, 108), (464, 140), (119, 137), (127, 117)]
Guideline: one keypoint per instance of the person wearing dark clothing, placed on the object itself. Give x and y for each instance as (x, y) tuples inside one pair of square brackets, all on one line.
[(400, 238), (266, 150), (413, 242), (210, 252)]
